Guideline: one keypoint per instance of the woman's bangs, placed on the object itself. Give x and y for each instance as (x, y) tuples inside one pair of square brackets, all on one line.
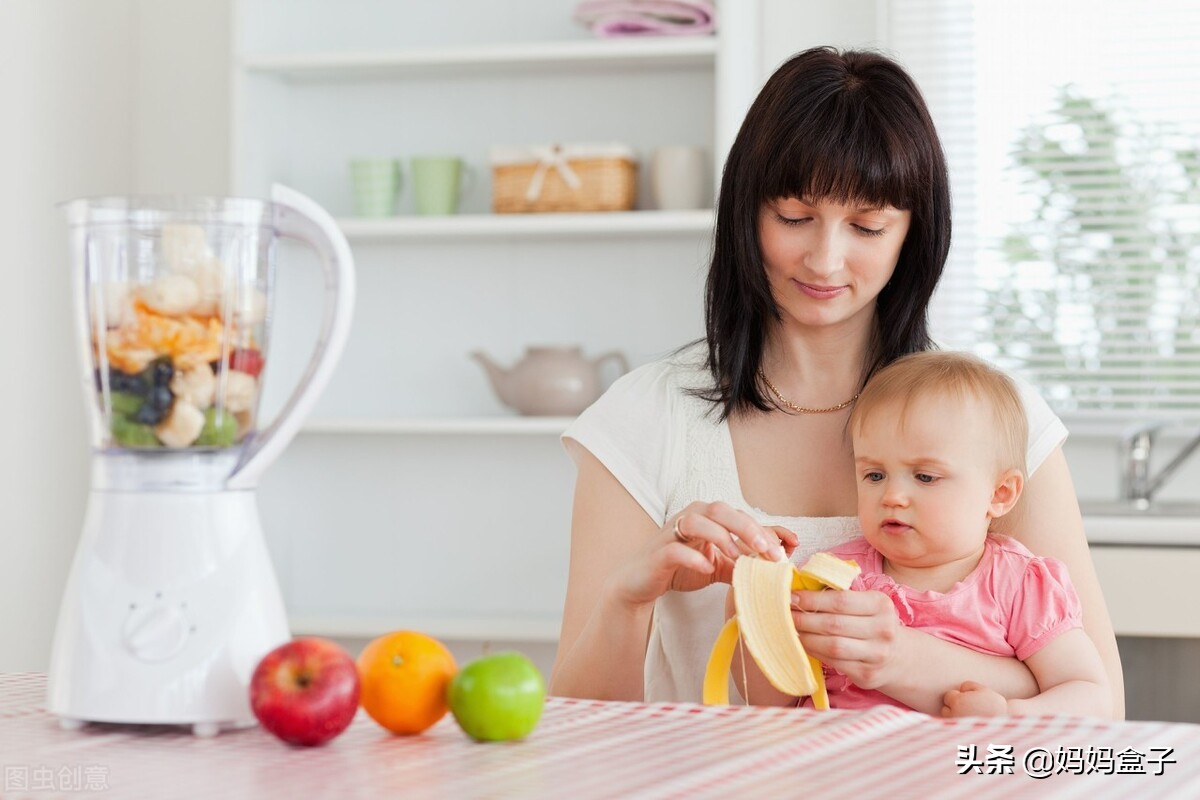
[(850, 165)]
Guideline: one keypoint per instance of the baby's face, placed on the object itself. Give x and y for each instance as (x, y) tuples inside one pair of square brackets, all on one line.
[(926, 481)]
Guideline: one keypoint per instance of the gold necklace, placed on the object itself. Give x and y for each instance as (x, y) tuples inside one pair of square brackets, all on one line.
[(801, 409)]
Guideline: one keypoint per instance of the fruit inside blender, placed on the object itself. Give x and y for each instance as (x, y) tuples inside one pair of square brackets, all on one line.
[(179, 356)]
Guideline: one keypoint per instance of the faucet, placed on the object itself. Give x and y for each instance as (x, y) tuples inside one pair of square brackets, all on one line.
[(1137, 484)]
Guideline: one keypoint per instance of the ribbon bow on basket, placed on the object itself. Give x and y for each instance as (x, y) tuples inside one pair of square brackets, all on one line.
[(550, 157), (580, 176)]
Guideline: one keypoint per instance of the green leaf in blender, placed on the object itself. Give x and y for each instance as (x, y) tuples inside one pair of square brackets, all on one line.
[(125, 404), (220, 429), (130, 434)]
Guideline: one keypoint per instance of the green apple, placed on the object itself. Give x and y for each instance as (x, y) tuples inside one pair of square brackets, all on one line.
[(498, 697)]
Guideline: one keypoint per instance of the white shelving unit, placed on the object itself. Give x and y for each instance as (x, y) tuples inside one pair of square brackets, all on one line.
[(467, 426), (633, 53), (414, 499), (529, 226)]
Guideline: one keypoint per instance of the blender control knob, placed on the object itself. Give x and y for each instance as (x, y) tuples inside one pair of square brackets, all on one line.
[(155, 632)]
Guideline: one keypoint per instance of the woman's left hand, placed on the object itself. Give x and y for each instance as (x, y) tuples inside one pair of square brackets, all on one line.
[(856, 633)]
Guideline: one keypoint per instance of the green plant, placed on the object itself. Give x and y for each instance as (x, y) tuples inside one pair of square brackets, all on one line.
[(1104, 275)]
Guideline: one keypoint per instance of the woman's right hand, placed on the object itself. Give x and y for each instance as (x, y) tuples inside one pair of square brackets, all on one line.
[(697, 548), (621, 563)]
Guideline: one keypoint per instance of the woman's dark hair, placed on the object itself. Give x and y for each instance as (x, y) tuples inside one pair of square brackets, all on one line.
[(843, 126)]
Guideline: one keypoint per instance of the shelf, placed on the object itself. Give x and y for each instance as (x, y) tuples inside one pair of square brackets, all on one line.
[(489, 59), (550, 226), (503, 426), (502, 629)]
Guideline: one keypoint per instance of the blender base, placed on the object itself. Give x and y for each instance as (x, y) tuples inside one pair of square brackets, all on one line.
[(201, 730), (170, 604)]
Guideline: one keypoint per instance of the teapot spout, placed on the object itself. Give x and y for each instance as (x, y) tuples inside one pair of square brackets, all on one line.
[(499, 377)]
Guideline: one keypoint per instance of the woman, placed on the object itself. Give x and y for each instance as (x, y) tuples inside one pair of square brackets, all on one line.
[(833, 225)]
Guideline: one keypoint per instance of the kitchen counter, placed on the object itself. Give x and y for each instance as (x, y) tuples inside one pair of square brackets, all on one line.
[(586, 749), (1146, 562)]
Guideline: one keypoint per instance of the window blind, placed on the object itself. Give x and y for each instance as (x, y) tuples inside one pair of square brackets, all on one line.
[(1072, 131)]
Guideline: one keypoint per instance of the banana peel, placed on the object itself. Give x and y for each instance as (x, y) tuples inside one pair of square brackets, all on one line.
[(763, 621)]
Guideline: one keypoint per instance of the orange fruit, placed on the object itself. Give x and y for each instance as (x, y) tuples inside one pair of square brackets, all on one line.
[(404, 677)]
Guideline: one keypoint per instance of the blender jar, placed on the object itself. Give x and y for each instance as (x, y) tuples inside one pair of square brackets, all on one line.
[(176, 308)]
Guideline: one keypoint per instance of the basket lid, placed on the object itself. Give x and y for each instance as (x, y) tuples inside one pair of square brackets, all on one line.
[(503, 154)]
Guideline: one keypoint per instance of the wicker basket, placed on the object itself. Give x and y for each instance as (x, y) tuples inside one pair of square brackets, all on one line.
[(582, 177)]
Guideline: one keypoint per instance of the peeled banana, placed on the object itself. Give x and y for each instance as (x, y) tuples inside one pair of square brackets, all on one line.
[(763, 620)]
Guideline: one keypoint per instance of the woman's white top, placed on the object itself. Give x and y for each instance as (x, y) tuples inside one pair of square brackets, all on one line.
[(667, 449)]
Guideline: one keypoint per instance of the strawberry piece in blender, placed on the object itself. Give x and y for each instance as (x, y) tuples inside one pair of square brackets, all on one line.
[(246, 359)]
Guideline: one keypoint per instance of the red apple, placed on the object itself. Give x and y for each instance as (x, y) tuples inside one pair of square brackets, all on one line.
[(306, 691)]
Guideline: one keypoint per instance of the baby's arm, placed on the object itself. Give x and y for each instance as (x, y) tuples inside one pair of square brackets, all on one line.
[(1070, 676)]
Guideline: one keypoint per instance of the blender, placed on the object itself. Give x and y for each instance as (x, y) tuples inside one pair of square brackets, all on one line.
[(171, 600)]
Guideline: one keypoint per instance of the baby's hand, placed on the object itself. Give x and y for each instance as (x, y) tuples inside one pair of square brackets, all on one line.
[(973, 700)]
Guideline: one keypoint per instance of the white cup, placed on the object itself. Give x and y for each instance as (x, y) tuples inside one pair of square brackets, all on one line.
[(679, 177)]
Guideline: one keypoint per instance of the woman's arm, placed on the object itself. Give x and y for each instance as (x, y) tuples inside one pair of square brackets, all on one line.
[(602, 643), (1069, 672), (1047, 521), (621, 562)]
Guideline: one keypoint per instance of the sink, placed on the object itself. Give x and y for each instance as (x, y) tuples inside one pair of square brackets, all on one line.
[(1163, 524), (1125, 508)]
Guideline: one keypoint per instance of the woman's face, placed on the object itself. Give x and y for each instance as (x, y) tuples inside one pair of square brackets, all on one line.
[(827, 262)]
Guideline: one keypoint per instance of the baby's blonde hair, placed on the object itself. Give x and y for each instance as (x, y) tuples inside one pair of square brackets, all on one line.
[(937, 373)]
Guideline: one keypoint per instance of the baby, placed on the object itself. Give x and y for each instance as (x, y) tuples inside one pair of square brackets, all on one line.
[(939, 451), (939, 447)]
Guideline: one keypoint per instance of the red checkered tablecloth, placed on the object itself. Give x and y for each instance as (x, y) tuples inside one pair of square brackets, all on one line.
[(584, 749)]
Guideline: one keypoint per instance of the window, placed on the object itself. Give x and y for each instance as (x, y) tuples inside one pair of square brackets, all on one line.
[(1072, 130)]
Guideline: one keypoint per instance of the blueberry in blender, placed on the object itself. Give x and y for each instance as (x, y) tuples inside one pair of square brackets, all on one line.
[(160, 397), (158, 403), (124, 382), (161, 372), (149, 414)]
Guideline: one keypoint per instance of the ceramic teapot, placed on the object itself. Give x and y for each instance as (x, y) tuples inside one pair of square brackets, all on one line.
[(549, 381)]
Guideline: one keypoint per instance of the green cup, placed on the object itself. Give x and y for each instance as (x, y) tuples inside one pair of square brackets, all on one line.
[(437, 182), (376, 186)]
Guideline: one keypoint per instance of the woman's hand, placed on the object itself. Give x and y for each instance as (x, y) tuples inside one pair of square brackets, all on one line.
[(697, 548), (621, 562), (856, 633)]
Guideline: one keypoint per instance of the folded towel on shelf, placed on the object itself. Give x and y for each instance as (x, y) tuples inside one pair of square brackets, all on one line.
[(647, 17)]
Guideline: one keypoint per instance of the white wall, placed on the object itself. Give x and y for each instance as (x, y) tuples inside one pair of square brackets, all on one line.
[(181, 89), (100, 97), (68, 99), (790, 26)]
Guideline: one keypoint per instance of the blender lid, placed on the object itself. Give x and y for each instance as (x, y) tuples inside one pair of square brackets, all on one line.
[(156, 210)]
